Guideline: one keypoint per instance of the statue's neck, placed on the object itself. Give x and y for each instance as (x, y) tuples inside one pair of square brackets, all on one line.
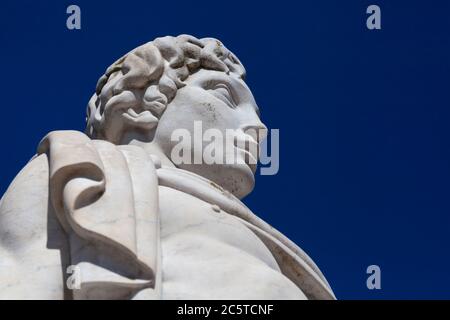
[(155, 152)]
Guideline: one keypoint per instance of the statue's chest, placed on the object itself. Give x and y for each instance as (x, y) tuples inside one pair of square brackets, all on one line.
[(209, 254)]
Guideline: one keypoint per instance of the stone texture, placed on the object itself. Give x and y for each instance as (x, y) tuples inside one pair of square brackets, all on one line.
[(112, 204)]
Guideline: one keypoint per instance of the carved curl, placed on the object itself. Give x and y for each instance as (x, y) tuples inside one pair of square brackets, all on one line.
[(142, 83)]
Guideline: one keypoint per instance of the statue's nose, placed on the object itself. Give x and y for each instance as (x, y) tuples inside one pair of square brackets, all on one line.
[(251, 123)]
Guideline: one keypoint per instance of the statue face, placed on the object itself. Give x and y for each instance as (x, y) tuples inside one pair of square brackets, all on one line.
[(216, 101)]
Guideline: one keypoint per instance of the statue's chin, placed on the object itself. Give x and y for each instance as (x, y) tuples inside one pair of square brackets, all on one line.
[(238, 179)]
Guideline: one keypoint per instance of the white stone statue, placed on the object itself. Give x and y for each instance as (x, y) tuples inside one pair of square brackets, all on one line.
[(106, 214)]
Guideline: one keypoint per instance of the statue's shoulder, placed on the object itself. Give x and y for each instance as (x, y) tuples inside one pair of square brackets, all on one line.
[(30, 237), (31, 179), (24, 205), (68, 147), (31, 183), (66, 140)]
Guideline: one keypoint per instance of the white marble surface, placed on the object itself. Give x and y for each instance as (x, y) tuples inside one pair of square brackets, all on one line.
[(113, 204)]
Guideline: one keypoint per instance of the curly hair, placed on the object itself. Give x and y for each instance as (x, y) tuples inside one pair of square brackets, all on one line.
[(147, 79)]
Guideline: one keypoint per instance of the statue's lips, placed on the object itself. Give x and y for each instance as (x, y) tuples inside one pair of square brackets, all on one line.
[(249, 149)]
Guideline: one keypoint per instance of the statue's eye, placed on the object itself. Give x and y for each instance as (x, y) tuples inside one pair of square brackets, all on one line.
[(222, 92)]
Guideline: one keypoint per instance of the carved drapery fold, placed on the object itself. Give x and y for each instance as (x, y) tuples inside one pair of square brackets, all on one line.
[(106, 199)]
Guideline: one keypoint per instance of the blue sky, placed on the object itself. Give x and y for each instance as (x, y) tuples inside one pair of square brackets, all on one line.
[(363, 116)]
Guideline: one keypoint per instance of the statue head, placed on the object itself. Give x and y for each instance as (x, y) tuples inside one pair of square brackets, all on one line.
[(172, 83)]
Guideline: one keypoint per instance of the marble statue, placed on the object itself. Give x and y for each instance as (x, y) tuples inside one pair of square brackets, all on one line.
[(106, 214)]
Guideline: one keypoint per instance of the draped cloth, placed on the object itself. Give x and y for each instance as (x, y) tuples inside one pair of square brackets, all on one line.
[(294, 263), (106, 198)]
